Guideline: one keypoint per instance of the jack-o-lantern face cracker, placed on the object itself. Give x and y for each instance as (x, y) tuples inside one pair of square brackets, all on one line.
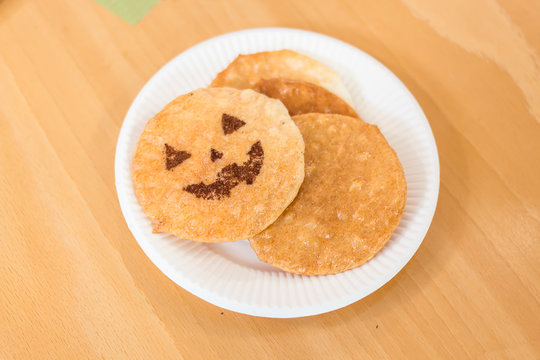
[(350, 202), (218, 164)]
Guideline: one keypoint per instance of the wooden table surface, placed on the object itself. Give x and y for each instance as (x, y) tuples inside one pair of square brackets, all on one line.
[(75, 284)]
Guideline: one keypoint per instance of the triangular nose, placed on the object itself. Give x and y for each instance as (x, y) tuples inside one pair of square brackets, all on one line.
[(215, 154)]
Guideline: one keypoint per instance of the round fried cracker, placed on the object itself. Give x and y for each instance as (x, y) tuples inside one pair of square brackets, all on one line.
[(218, 164), (351, 200), (301, 97), (246, 70)]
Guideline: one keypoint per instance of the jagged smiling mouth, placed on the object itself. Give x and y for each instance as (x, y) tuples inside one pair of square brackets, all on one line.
[(230, 176)]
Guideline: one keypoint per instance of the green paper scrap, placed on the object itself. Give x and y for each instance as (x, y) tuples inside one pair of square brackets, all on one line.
[(131, 11)]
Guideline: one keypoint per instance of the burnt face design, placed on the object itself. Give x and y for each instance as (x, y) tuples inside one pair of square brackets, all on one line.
[(229, 176)]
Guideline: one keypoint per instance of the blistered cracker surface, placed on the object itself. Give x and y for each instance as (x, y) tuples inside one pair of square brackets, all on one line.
[(193, 123), (246, 70), (301, 97), (351, 200)]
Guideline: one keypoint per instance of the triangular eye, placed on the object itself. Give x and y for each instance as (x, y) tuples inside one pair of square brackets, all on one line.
[(174, 157), (231, 123)]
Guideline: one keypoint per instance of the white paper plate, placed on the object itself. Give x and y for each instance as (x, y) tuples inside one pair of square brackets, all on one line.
[(229, 275)]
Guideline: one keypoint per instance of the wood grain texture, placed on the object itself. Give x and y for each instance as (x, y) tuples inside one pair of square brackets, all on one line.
[(75, 284)]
